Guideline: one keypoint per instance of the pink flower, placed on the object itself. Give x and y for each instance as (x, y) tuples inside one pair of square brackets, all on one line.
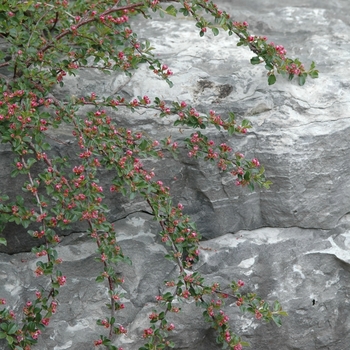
[(186, 294), (256, 162), (113, 188), (98, 342), (258, 314), (153, 316), (147, 332), (171, 327), (35, 335), (105, 323), (240, 283), (53, 306), (45, 321), (39, 271), (61, 280), (122, 330)]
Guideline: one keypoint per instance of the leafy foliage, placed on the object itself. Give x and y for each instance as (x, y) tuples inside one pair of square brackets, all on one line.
[(50, 40)]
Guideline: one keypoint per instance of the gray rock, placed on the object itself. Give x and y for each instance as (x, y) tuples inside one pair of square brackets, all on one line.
[(306, 269), (289, 243)]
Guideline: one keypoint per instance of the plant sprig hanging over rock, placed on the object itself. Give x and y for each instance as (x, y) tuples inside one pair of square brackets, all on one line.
[(48, 41)]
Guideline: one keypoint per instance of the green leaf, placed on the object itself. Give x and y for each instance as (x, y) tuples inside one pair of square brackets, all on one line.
[(255, 60), (169, 257), (9, 339), (224, 344), (171, 10), (12, 329), (272, 79), (99, 279), (127, 260), (45, 146), (3, 241), (31, 161), (215, 31), (244, 343), (14, 173), (143, 145), (276, 306), (2, 335), (277, 320), (246, 123), (302, 79), (171, 344), (184, 11), (231, 130), (313, 74), (170, 83)]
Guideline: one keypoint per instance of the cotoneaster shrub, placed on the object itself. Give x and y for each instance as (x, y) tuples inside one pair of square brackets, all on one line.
[(49, 40)]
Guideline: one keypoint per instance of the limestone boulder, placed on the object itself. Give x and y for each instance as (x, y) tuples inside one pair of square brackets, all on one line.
[(307, 270), (290, 242)]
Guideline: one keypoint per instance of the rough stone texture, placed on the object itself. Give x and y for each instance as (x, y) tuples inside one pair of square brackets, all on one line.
[(306, 269), (290, 242)]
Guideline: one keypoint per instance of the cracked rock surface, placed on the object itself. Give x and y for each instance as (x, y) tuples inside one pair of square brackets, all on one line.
[(291, 242)]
